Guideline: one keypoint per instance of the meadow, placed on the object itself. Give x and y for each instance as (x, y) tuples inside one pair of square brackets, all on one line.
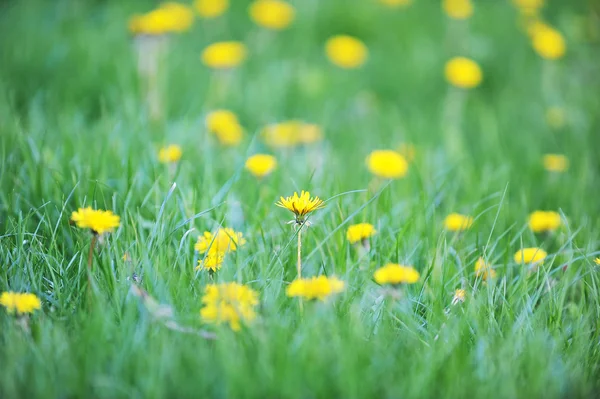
[(453, 250)]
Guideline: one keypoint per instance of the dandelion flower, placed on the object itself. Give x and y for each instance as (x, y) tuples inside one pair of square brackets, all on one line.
[(530, 255), (458, 222), (223, 241), (272, 14), (319, 288), (224, 55), (291, 133), (309, 133), (395, 274), (556, 162), (211, 8), (261, 165), (458, 9), (21, 303), (168, 18), (301, 205), (224, 125), (597, 261), (543, 221), (484, 270), (346, 51), (463, 73), (459, 296), (212, 262), (170, 154), (229, 303), (360, 232), (396, 3), (98, 221), (549, 43), (387, 164)]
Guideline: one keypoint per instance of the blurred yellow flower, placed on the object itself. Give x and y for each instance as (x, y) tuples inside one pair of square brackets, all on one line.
[(224, 240), (597, 261), (212, 262), (549, 43), (291, 133), (529, 7), (387, 164), (393, 274), (260, 165), (556, 162), (346, 51), (359, 232), (458, 222), (396, 3), (463, 73), (484, 270), (530, 255), (211, 8), (459, 296), (168, 18), (272, 14), (224, 55), (458, 9), (98, 221), (20, 303), (315, 287), (170, 154), (543, 221), (301, 205), (225, 126), (229, 303), (556, 117)]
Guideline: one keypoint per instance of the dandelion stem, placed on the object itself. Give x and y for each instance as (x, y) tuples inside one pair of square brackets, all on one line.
[(89, 263), (300, 252)]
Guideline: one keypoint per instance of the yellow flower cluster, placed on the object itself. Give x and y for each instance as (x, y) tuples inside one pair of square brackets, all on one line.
[(484, 270), (530, 256), (458, 222), (463, 73), (225, 126), (98, 221), (395, 274), (555, 162), (360, 232), (458, 9), (224, 55), (229, 303), (170, 154), (387, 164), (211, 8), (346, 51), (261, 165), (315, 287), (272, 14), (168, 18), (21, 303), (291, 133), (548, 42), (544, 221), (301, 205)]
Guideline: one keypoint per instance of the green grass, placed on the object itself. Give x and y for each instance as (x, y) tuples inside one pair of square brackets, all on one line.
[(74, 131)]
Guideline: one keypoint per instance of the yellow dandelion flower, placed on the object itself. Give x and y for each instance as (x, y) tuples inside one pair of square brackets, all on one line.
[(459, 296), (394, 274), (346, 51), (211, 8), (224, 55), (21, 303), (309, 133), (396, 3), (387, 164), (458, 9), (224, 125), (458, 222), (301, 205), (549, 43), (360, 232), (530, 255), (229, 303), (463, 73), (180, 15), (291, 133), (212, 262), (261, 165), (170, 154), (556, 117), (543, 221), (484, 270), (224, 240), (272, 14), (168, 18), (556, 162), (597, 261), (98, 221), (319, 288)]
